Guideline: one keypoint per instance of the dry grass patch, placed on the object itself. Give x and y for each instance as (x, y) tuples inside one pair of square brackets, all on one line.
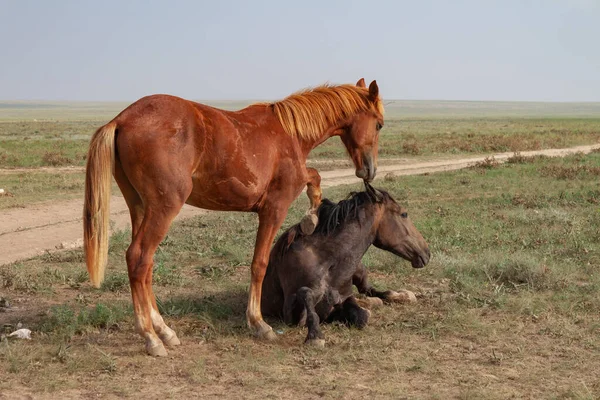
[(507, 307)]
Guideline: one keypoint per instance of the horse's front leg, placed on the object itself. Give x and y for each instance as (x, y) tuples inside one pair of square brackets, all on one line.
[(361, 281), (313, 191), (270, 219)]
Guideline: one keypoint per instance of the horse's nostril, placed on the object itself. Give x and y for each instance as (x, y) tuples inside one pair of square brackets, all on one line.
[(425, 257)]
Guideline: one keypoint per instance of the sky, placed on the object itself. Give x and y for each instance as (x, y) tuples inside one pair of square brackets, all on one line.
[(506, 50)]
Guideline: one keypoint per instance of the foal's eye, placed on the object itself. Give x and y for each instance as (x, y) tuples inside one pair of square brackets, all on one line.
[(379, 126), (404, 215)]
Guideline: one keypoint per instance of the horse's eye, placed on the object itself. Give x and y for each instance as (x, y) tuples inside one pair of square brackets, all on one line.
[(379, 126), (404, 215)]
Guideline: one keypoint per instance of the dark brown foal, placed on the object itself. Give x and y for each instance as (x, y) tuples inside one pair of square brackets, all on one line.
[(309, 278)]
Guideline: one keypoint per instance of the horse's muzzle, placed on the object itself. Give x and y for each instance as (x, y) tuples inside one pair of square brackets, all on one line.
[(421, 259), (368, 170)]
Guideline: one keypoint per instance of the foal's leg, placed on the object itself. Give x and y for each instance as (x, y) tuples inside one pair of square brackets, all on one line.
[(309, 297), (360, 280), (350, 313), (294, 312), (313, 191)]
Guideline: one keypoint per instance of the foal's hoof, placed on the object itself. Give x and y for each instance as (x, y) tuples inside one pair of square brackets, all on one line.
[(402, 296), (317, 343), (157, 350), (373, 302), (308, 223), (171, 341)]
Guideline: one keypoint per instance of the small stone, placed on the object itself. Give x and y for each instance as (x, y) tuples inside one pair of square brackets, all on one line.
[(22, 333)]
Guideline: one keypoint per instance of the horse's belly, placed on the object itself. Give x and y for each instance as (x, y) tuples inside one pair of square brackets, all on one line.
[(225, 194)]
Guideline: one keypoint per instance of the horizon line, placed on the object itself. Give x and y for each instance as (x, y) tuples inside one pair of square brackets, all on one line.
[(251, 101)]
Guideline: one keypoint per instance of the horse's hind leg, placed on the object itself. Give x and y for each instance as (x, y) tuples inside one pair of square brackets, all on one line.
[(149, 323), (132, 198), (350, 313), (294, 312), (166, 334), (313, 191), (136, 211), (309, 297)]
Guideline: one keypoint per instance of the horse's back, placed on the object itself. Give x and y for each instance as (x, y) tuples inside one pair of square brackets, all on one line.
[(215, 159)]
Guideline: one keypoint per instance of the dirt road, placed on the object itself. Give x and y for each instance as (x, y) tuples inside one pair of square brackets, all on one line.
[(27, 232)]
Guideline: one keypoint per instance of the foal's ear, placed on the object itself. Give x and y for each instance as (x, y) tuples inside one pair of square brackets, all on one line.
[(371, 191), (375, 195), (373, 90), (361, 83)]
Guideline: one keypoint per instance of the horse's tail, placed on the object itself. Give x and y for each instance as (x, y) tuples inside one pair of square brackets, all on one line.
[(96, 209)]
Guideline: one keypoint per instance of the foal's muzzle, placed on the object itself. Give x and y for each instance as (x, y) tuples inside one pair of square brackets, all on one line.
[(421, 259)]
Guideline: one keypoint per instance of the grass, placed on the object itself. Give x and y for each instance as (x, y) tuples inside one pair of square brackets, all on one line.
[(34, 135), (435, 136), (507, 307), (26, 187), (57, 134)]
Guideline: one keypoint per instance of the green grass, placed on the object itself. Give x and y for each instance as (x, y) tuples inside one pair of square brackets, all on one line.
[(57, 134), (507, 307), (433, 136), (43, 153), (24, 188)]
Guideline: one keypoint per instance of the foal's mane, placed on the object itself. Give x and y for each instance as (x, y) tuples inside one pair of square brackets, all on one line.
[(332, 216), (308, 113)]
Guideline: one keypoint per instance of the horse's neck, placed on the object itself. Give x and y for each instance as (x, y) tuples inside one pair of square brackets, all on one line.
[(262, 114), (309, 144), (364, 230)]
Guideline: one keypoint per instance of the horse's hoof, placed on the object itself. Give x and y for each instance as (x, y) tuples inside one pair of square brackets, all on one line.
[(373, 302), (317, 343), (308, 223), (157, 350), (402, 296), (171, 341), (266, 334)]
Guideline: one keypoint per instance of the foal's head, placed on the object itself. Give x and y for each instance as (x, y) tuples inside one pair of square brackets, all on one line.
[(396, 233), (361, 133)]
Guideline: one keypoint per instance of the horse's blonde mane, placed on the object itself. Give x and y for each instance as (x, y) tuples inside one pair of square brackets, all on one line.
[(307, 114)]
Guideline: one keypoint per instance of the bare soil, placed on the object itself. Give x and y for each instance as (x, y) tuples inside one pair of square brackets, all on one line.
[(46, 227)]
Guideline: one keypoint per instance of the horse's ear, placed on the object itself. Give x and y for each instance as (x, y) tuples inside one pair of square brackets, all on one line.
[(371, 191), (361, 83), (373, 90), (375, 195)]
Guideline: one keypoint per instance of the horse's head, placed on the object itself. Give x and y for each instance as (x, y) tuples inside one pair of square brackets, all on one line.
[(397, 234), (361, 134)]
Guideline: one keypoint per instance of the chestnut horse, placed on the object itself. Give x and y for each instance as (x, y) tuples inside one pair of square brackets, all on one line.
[(165, 151)]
